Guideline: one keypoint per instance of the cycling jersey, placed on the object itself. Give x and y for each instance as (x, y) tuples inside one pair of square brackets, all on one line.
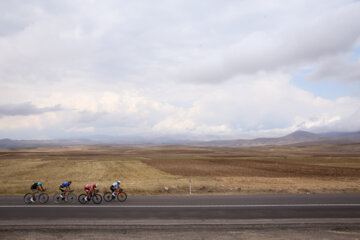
[(116, 184), (65, 184), (90, 186), (35, 185)]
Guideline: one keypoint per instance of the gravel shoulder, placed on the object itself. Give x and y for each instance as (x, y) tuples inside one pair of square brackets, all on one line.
[(222, 232)]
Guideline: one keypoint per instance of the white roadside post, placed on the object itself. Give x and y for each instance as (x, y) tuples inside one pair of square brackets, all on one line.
[(189, 186)]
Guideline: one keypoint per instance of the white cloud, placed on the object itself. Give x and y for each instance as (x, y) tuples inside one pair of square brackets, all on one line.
[(298, 43), (268, 104), (337, 68)]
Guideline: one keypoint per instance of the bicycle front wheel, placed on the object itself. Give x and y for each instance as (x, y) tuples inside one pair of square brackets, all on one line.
[(27, 198), (97, 198), (108, 197), (81, 198), (43, 198), (122, 196)]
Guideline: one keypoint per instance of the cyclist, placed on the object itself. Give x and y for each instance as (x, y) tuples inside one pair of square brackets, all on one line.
[(36, 187), (115, 187), (64, 188), (89, 189)]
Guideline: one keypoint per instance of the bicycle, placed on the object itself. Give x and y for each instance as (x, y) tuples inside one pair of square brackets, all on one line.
[(95, 197), (41, 196), (119, 194), (68, 198)]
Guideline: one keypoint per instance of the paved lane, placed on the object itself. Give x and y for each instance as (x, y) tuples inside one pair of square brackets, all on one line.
[(179, 213), (193, 208)]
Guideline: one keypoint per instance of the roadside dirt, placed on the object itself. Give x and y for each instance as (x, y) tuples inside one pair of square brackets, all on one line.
[(274, 233)]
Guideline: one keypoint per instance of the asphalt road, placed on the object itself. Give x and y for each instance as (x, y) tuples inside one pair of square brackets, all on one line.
[(164, 208)]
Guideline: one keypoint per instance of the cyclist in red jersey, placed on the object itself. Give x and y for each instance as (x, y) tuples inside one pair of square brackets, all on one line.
[(89, 189)]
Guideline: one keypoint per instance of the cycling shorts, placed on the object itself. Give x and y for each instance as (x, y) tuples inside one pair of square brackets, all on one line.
[(62, 188), (112, 188)]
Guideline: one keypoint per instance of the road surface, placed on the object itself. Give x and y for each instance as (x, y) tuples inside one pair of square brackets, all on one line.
[(346, 206), (187, 217)]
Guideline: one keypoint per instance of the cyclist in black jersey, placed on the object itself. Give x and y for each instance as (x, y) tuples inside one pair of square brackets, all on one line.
[(35, 187)]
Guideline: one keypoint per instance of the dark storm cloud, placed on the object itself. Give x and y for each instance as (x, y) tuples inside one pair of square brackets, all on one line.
[(25, 109)]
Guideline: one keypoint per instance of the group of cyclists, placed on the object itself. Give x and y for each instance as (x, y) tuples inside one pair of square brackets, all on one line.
[(65, 188)]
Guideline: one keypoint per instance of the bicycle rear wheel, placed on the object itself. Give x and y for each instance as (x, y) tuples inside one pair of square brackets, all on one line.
[(81, 198), (108, 197), (97, 198), (43, 198), (57, 198), (122, 196), (27, 198)]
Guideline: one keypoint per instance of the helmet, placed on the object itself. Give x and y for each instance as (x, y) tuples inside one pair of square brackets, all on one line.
[(95, 185), (118, 181), (39, 183), (69, 182)]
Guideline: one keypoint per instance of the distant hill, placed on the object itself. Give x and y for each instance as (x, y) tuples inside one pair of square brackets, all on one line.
[(8, 143), (298, 137), (293, 138)]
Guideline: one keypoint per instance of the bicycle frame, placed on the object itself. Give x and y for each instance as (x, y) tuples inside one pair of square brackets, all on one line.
[(120, 191), (93, 193)]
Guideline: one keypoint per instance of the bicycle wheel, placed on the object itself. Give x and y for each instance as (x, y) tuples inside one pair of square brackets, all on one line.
[(27, 198), (81, 198), (43, 198), (97, 198), (57, 198), (70, 198), (108, 197), (122, 196)]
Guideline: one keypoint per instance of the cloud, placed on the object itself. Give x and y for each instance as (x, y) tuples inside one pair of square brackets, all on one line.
[(25, 109), (337, 68), (126, 41), (298, 44)]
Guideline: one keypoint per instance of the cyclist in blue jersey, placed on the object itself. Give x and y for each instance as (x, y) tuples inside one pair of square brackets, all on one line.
[(64, 188), (115, 187), (36, 187)]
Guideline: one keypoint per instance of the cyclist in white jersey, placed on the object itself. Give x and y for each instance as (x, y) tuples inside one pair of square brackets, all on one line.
[(115, 187)]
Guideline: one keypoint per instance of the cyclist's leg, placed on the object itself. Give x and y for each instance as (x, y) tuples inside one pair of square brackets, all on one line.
[(92, 191), (88, 193), (112, 188), (37, 190), (62, 194), (33, 192)]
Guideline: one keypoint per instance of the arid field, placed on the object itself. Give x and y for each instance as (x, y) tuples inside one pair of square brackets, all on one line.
[(170, 169)]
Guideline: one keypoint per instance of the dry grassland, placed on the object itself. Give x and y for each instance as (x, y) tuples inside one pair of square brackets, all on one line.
[(168, 169)]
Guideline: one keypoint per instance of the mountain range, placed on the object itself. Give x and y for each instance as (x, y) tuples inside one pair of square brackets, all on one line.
[(298, 137)]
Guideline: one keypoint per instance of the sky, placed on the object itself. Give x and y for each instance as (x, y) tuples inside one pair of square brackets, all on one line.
[(194, 70)]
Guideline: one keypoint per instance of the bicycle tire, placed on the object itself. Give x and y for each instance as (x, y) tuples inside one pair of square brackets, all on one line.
[(122, 196), (27, 198), (108, 197), (81, 199), (97, 198), (43, 198)]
